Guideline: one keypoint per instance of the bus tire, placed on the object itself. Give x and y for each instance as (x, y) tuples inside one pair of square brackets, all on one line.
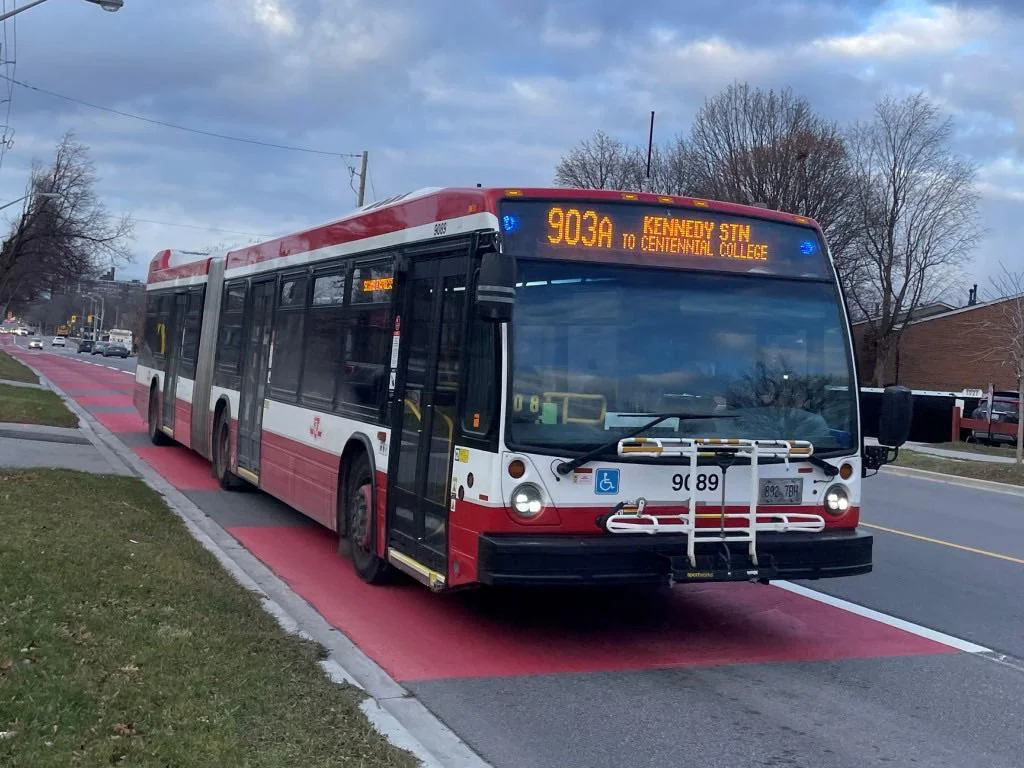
[(359, 523), (222, 456), (156, 435)]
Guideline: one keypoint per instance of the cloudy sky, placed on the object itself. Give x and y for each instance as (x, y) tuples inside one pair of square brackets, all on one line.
[(443, 92)]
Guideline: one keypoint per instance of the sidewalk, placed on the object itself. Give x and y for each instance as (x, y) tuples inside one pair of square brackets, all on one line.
[(33, 446), (945, 453)]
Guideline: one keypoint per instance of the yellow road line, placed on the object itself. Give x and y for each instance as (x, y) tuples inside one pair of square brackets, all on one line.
[(929, 539)]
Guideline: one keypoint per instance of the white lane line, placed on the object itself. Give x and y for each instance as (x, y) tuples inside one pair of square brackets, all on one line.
[(907, 626), (112, 368)]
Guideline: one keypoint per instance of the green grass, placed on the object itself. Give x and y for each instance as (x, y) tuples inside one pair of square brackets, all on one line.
[(12, 370), (34, 406), (122, 641), (988, 450), (979, 470)]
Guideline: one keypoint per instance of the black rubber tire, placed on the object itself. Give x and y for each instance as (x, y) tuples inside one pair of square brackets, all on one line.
[(221, 446), (359, 524), (156, 435)]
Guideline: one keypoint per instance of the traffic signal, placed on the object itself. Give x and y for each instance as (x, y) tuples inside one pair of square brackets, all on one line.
[(74, 319), (89, 319)]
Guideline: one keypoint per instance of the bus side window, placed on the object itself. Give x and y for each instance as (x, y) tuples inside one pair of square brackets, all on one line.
[(482, 379), (229, 343)]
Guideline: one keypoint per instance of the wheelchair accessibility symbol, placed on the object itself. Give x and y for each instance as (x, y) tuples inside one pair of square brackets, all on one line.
[(606, 482)]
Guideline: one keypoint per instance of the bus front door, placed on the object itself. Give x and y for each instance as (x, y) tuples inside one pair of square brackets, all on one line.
[(255, 363), (174, 336), (424, 417)]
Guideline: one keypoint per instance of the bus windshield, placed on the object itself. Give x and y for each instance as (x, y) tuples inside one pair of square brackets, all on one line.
[(598, 349)]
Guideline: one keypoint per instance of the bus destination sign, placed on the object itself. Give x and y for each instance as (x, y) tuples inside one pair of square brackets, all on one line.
[(661, 236)]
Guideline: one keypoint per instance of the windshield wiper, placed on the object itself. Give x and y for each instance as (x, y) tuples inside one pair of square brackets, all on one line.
[(568, 466)]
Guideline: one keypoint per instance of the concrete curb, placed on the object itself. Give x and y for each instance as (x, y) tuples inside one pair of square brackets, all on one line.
[(20, 384), (964, 482), (396, 714)]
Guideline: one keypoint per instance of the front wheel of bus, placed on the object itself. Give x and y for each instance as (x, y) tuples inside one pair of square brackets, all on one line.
[(359, 524)]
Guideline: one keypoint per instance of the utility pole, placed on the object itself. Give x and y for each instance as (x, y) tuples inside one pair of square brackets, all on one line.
[(362, 179), (650, 145)]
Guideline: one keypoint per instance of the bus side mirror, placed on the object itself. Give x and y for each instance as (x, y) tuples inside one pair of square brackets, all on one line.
[(496, 287), (897, 413)]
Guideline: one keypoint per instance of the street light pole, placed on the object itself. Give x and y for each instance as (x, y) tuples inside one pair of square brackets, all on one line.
[(107, 5)]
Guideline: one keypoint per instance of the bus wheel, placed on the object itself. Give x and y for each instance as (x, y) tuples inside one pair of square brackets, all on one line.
[(359, 523), (156, 436), (222, 456)]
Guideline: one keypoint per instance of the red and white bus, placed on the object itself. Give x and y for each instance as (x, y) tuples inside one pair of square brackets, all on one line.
[(531, 387)]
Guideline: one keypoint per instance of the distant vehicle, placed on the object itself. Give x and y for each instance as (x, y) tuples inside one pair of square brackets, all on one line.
[(35, 344), (115, 349), (98, 347), (85, 345), (58, 341), (120, 336)]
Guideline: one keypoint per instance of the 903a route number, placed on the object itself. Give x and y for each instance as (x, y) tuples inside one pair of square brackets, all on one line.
[(706, 481)]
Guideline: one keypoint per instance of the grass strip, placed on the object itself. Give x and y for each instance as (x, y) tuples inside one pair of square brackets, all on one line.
[(978, 470), (34, 406), (123, 641), (986, 450), (12, 370)]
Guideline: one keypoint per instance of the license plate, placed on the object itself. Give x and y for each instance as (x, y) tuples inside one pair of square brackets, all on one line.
[(787, 491)]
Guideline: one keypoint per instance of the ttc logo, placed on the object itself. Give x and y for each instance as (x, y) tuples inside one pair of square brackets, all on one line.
[(606, 482)]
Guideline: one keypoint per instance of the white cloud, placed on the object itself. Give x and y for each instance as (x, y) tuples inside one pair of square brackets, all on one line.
[(270, 15), (905, 33)]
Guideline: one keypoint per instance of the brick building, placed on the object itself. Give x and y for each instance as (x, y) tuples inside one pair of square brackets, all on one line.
[(947, 349)]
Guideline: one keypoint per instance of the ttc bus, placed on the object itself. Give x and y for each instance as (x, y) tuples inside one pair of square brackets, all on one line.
[(531, 387)]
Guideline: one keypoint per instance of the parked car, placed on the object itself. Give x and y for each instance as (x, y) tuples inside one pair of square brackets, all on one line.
[(1005, 410), (35, 344), (115, 349), (58, 341)]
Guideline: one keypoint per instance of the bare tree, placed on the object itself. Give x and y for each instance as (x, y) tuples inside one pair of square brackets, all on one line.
[(601, 162), (1001, 335), (753, 146), (64, 236), (916, 212)]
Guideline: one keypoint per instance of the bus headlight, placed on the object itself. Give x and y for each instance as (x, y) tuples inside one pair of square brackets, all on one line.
[(837, 500), (527, 500)]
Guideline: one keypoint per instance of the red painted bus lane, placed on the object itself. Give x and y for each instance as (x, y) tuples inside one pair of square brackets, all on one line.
[(416, 635), (419, 636)]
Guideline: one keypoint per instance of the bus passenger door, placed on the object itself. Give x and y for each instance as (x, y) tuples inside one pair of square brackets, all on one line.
[(424, 415), (255, 363), (174, 337)]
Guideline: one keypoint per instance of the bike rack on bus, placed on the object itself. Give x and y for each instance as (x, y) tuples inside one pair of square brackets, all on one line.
[(630, 517)]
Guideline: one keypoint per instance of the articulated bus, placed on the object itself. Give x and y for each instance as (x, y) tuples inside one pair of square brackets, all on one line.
[(531, 387)]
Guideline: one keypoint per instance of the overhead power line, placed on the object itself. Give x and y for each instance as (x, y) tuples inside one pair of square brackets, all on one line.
[(203, 229), (185, 128)]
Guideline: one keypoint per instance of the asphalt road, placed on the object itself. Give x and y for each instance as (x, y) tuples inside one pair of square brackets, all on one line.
[(727, 675), (976, 595), (71, 350)]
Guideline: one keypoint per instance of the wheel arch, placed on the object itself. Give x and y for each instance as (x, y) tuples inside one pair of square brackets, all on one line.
[(357, 443)]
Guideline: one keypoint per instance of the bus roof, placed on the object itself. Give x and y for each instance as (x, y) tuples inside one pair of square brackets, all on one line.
[(170, 265), (410, 217)]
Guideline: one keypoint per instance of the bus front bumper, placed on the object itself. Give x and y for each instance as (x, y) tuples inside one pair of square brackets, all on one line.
[(552, 560)]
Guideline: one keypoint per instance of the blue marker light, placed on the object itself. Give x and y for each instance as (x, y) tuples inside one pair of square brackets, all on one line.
[(807, 247), (509, 222)]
